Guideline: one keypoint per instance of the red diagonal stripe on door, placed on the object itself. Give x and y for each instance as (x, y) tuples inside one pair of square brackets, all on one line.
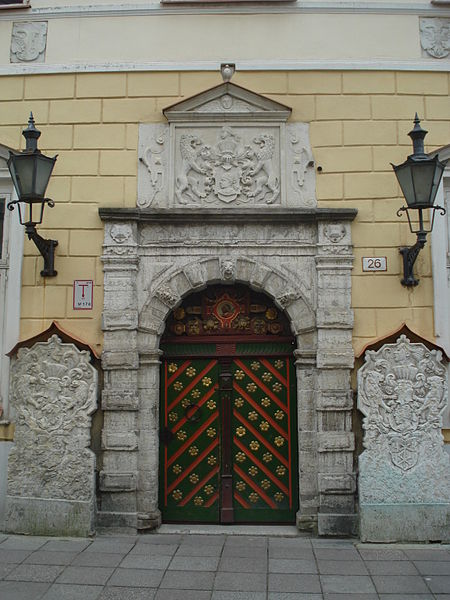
[(178, 372), (261, 411), (263, 468), (255, 487), (193, 383), (199, 431), (241, 500), (199, 485), (192, 466), (211, 501), (261, 438), (273, 370), (260, 384)]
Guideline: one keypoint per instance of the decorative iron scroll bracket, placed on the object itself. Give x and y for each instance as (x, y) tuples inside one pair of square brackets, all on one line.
[(46, 249), (411, 253)]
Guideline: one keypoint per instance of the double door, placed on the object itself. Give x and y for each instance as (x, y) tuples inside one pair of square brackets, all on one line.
[(228, 438)]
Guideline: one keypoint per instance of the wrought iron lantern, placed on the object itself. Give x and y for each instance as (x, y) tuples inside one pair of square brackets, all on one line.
[(419, 178), (30, 171)]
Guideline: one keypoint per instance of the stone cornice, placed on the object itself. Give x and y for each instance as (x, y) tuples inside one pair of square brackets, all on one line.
[(233, 216)]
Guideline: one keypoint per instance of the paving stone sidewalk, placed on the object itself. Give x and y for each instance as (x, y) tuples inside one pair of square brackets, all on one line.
[(219, 567)]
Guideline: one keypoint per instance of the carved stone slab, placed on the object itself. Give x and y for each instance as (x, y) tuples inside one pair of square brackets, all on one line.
[(226, 148), (51, 480), (404, 480)]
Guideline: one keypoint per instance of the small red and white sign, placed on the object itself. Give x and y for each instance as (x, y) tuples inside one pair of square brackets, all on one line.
[(83, 294)]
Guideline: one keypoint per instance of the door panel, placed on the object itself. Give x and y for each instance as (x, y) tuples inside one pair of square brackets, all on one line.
[(263, 425), (228, 445), (190, 458)]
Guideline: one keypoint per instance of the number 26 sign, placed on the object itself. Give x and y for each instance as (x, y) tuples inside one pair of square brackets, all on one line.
[(374, 263)]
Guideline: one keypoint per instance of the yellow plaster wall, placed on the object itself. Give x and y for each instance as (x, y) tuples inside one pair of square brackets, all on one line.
[(358, 125)]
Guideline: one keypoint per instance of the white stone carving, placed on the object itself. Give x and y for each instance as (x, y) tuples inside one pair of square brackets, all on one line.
[(300, 166), (402, 392), (235, 166), (435, 36), (166, 294), (153, 164), (334, 232), (28, 41), (120, 233), (54, 393), (288, 297), (228, 269)]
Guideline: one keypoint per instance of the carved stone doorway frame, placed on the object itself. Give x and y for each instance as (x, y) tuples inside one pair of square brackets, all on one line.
[(302, 259)]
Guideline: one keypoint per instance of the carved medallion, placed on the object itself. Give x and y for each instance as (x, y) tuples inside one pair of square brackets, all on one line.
[(435, 36), (28, 41)]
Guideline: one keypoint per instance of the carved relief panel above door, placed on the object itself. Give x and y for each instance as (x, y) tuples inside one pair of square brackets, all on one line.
[(226, 147)]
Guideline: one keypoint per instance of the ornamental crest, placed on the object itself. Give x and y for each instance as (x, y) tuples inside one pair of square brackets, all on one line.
[(435, 36), (238, 167), (402, 393)]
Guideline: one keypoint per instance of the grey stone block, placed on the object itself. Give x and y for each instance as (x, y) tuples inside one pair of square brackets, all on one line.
[(6, 568), (13, 556), (437, 554), (256, 541), (439, 584), (145, 562), (159, 538), (194, 563), (294, 583), (44, 573), (205, 540), (428, 567), (400, 584), (347, 554), (342, 567), (66, 545), (285, 565), (136, 578), (110, 547), (71, 592), (90, 559), (153, 550), (407, 597), (391, 567), (86, 575), (42, 557), (182, 595), (21, 542), (352, 597), (244, 552), (381, 553), (347, 584), (126, 593), (293, 596), (23, 590), (186, 580), (224, 595), (199, 550), (243, 564), (240, 582), (304, 553)]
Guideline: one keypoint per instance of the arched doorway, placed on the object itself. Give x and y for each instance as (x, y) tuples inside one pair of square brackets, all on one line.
[(228, 445)]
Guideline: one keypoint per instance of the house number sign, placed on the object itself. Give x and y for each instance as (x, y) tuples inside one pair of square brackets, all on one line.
[(83, 294), (374, 263)]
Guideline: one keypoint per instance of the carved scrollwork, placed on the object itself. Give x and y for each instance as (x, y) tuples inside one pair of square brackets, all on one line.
[(166, 294), (153, 160)]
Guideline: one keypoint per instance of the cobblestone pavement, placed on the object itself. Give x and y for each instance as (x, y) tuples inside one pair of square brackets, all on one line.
[(219, 567)]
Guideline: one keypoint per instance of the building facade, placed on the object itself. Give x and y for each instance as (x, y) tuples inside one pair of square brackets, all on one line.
[(224, 193)]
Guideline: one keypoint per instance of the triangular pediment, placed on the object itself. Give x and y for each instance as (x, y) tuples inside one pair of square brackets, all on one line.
[(227, 102)]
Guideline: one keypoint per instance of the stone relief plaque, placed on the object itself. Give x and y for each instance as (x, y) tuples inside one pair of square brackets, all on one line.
[(225, 148), (227, 165), (28, 41), (54, 393), (435, 36)]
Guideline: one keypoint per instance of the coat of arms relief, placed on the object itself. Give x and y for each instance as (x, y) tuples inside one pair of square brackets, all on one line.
[(226, 147), (402, 393), (239, 167)]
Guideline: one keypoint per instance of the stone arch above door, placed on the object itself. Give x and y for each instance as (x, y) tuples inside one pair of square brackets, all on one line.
[(169, 291)]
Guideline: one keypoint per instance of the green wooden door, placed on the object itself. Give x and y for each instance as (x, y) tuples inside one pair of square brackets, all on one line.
[(228, 436)]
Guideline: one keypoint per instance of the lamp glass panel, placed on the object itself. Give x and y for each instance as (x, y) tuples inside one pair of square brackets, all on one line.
[(423, 175), (438, 172), (44, 168), (404, 178), (24, 167)]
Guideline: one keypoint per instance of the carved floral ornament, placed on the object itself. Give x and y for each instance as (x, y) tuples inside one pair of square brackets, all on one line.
[(402, 393)]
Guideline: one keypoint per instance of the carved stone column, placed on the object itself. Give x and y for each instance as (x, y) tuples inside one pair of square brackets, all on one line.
[(404, 471), (51, 471), (336, 478), (120, 399)]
